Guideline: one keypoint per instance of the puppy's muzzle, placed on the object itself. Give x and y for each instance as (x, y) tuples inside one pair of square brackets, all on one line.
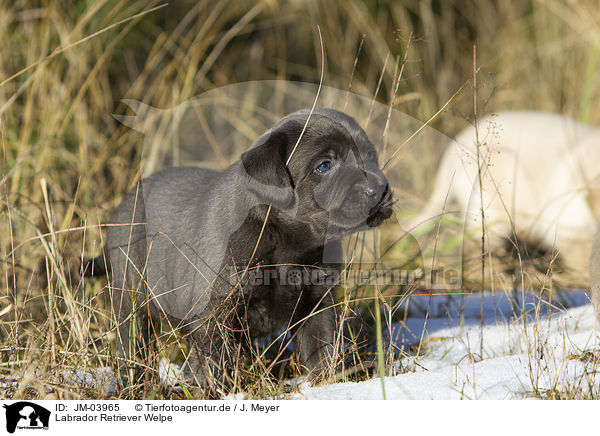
[(383, 209)]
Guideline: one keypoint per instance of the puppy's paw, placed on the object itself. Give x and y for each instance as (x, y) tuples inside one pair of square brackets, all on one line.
[(297, 383), (173, 376)]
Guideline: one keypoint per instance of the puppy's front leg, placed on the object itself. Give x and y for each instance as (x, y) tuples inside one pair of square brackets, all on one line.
[(210, 357), (315, 339)]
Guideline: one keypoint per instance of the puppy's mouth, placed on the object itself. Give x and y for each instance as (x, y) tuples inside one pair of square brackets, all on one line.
[(382, 210)]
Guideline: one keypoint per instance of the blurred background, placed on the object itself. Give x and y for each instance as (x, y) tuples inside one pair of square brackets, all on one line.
[(65, 66)]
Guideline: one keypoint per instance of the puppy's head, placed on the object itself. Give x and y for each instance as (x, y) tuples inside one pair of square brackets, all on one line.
[(332, 181)]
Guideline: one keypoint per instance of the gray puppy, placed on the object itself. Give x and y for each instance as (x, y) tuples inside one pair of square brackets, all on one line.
[(191, 245)]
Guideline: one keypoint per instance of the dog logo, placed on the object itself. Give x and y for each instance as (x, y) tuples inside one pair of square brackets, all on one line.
[(26, 415)]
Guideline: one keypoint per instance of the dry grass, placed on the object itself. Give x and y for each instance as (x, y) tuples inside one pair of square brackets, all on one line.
[(66, 161)]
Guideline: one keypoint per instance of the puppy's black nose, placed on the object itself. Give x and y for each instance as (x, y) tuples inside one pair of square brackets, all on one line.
[(377, 192), (370, 192)]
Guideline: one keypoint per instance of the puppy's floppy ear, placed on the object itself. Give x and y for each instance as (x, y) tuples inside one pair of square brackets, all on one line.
[(265, 173)]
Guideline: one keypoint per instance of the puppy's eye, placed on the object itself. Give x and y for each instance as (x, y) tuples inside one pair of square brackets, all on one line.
[(370, 155), (324, 166)]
